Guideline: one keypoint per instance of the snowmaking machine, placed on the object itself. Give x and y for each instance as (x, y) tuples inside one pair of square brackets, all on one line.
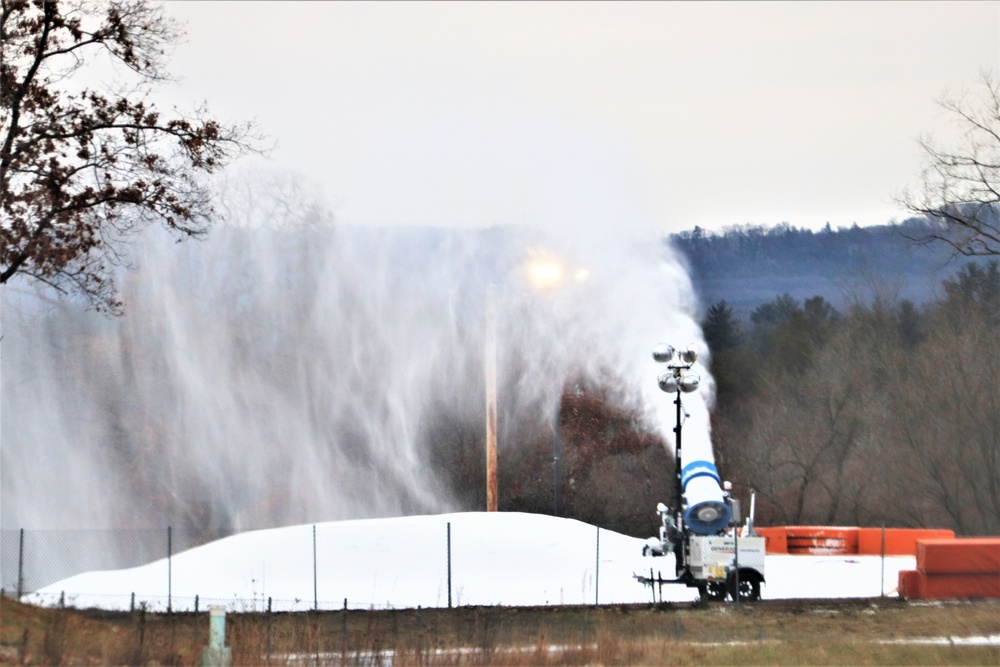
[(713, 552)]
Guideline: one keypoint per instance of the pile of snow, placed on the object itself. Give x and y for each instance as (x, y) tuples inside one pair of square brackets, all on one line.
[(496, 559)]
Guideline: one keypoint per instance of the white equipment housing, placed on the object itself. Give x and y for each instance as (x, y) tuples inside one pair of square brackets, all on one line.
[(714, 558)]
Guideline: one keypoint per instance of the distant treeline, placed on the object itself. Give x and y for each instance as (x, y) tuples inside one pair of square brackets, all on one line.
[(749, 264)]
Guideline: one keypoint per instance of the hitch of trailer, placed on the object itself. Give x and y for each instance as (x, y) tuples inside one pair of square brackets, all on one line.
[(657, 580)]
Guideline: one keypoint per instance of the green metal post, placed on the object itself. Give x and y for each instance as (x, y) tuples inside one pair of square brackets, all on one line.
[(216, 654), (20, 566)]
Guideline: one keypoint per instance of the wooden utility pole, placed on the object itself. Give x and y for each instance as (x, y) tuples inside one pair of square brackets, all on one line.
[(491, 400)]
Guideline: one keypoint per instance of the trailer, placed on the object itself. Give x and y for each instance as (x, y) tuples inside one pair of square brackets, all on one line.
[(729, 564)]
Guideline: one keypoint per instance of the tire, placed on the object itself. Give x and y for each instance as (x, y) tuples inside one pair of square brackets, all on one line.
[(749, 588), (712, 591)]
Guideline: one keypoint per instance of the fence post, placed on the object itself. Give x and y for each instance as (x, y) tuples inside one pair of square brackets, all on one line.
[(315, 576), (597, 569), (20, 566), (881, 587), (449, 565), (170, 573), (343, 635), (736, 563)]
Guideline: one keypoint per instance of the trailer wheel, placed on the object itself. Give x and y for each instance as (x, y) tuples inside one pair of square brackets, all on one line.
[(713, 590), (749, 587)]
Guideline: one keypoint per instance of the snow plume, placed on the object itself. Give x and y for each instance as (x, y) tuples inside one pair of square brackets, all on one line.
[(279, 374)]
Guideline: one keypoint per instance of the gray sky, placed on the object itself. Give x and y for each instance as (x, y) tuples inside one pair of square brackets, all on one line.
[(664, 115)]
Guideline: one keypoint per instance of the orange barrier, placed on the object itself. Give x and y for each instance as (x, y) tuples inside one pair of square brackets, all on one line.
[(966, 567), (775, 539), (909, 584), (821, 540), (826, 540), (937, 586), (898, 541), (970, 555)]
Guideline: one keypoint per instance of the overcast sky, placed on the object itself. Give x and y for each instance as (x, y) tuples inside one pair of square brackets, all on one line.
[(668, 115)]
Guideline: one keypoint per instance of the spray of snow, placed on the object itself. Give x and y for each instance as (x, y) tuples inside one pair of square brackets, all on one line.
[(287, 370)]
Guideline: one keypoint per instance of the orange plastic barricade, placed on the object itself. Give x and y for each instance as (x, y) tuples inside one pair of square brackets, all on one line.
[(967, 555), (937, 586), (826, 540), (898, 541), (909, 584), (775, 539), (821, 540)]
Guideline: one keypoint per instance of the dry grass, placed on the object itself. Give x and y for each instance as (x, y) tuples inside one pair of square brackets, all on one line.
[(765, 633)]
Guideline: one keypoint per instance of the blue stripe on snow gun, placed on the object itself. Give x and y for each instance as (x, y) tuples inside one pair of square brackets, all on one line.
[(707, 512)]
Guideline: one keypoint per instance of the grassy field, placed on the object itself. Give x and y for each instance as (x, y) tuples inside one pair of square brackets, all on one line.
[(860, 632)]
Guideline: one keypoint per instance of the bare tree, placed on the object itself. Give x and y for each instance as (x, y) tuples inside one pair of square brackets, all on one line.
[(959, 194), (83, 171), (946, 407), (802, 447)]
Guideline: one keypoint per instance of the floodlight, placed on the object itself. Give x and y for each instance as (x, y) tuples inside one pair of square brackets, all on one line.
[(668, 383), (663, 353), (689, 382), (545, 274), (689, 356)]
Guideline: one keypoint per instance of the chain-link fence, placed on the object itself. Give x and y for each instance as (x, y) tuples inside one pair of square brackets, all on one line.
[(438, 561), (33, 559), (348, 565)]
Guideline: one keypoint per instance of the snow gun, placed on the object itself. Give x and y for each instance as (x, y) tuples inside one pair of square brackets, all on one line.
[(712, 552)]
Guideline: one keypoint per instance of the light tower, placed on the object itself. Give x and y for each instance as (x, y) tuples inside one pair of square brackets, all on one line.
[(701, 507)]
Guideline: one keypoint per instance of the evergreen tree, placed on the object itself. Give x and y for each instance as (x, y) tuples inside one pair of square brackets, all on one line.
[(722, 330)]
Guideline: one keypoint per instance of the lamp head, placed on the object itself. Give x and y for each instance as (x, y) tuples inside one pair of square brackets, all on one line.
[(663, 353), (689, 382), (668, 383), (689, 355)]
